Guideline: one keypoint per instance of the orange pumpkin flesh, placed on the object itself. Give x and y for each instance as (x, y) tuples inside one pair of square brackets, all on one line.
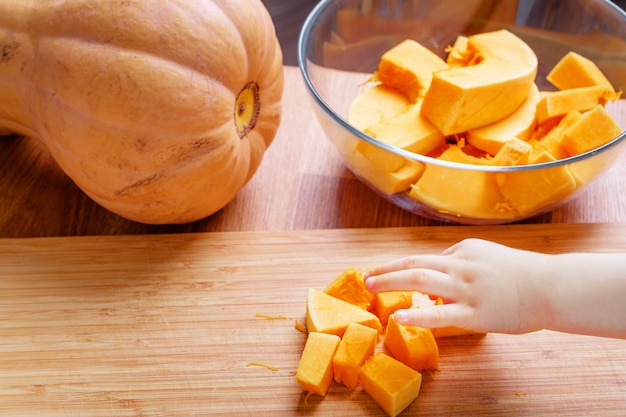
[(159, 110), (500, 66), (392, 384), (357, 344), (327, 314), (339, 311), (350, 287), (387, 303), (315, 369), (414, 346)]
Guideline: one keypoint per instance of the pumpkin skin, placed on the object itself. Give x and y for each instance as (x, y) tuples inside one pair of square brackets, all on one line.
[(159, 110)]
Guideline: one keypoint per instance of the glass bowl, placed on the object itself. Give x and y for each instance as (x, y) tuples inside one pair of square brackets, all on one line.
[(340, 46)]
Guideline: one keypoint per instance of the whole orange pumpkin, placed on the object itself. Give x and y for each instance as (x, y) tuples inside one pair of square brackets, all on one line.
[(159, 110)]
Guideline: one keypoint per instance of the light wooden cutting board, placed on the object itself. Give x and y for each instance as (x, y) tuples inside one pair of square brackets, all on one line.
[(171, 325)]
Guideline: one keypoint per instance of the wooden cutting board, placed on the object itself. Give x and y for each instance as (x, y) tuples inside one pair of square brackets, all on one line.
[(181, 325)]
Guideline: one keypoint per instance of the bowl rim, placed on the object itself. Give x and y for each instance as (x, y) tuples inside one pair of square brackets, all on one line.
[(305, 33)]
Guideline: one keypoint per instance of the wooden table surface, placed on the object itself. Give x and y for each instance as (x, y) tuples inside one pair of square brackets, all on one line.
[(301, 184), (175, 325)]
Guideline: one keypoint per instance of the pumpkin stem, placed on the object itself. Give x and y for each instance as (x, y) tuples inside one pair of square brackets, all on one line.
[(247, 108)]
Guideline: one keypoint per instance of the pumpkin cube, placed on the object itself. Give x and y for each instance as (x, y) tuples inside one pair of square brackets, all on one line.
[(387, 303), (595, 128), (414, 346), (408, 67), (575, 71), (527, 191), (392, 384), (350, 287), (358, 344), (514, 152), (315, 369), (553, 140), (327, 314)]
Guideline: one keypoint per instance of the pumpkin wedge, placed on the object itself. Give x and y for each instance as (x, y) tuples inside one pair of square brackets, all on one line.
[(464, 98), (519, 124), (327, 314), (375, 104), (559, 103)]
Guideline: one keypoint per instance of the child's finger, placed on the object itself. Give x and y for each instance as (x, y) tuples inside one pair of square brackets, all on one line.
[(434, 262), (433, 317), (426, 281)]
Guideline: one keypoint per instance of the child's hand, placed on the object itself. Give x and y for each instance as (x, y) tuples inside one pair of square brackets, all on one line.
[(485, 287)]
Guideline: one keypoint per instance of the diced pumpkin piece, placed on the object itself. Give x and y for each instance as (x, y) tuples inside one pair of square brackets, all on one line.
[(392, 384), (408, 67), (350, 287), (460, 192), (371, 167), (595, 128), (375, 104), (327, 314), (464, 98), (559, 103), (414, 346), (514, 152), (528, 191), (553, 140), (519, 124), (357, 345), (408, 131), (315, 369), (576, 71), (387, 303)]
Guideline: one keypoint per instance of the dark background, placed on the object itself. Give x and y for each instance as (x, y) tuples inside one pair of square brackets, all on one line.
[(289, 15)]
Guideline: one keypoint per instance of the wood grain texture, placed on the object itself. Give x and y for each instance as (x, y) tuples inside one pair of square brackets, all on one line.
[(167, 325), (301, 184)]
